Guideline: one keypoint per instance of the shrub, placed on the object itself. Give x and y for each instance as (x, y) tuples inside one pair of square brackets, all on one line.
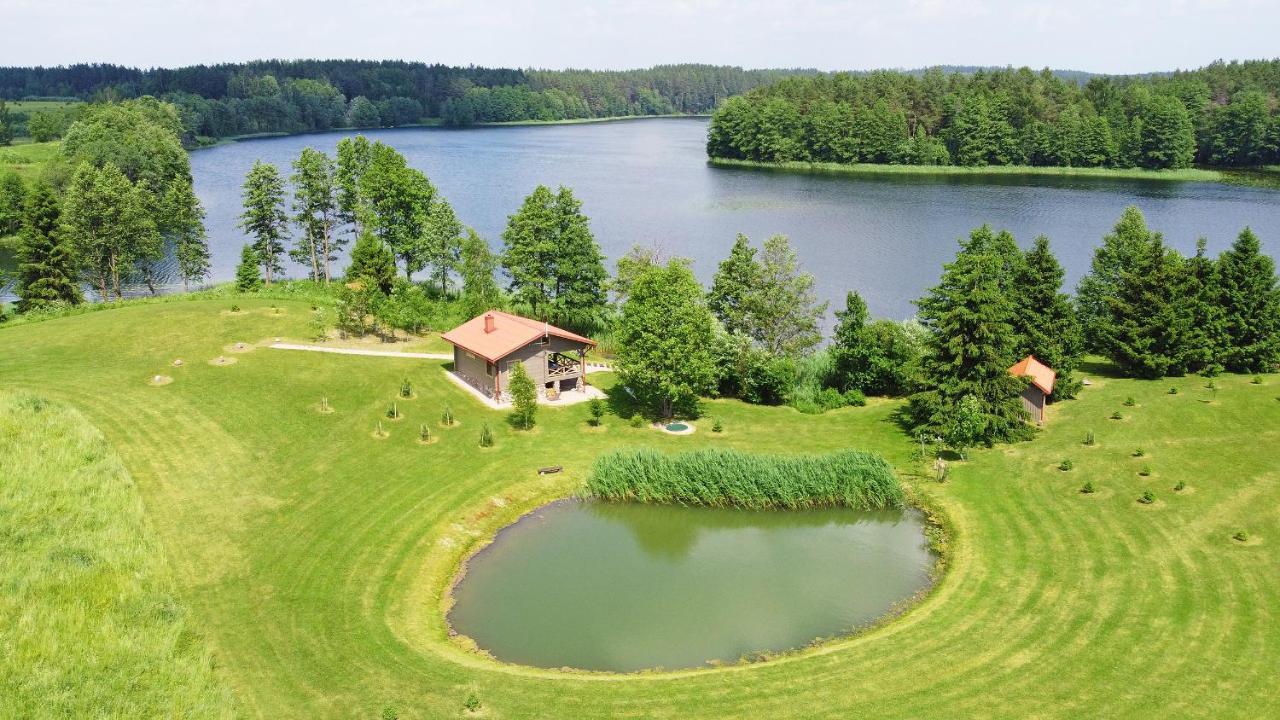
[(728, 478), (486, 436), (1240, 536), (424, 434), (389, 713), (636, 421), (717, 426), (446, 416), (1145, 470), (1130, 402), (1088, 438), (808, 407), (1147, 497), (1087, 488), (393, 412), (830, 399), (406, 389), (1257, 380), (855, 398), (235, 308), (768, 381), (1173, 391), (596, 408), (1116, 415), (1182, 485), (1139, 452), (472, 703), (1066, 465)]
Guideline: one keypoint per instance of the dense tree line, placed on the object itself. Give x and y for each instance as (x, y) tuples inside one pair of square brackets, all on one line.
[(306, 95), (1222, 115)]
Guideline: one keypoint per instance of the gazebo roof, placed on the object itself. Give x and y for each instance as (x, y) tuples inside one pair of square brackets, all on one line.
[(1042, 376), (494, 335)]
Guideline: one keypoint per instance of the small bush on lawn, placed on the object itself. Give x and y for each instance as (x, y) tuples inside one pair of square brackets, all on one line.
[(830, 399), (406, 389), (1066, 465), (446, 416), (596, 407), (729, 478), (1088, 438), (1173, 391), (1147, 497), (717, 426), (486, 436), (1139, 452), (1088, 488), (472, 703), (1130, 402), (855, 398), (1182, 485), (1257, 380), (1240, 536), (1145, 470), (636, 421), (1116, 415)]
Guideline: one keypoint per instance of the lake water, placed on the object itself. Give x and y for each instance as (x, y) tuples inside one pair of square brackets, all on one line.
[(624, 587), (647, 182)]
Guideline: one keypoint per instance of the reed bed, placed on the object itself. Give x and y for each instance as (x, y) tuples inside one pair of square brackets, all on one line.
[(728, 478)]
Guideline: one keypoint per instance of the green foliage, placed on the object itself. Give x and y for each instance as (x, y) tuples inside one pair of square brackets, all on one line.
[(264, 218), (47, 274), (424, 432), (556, 267), (1088, 488), (1139, 452), (664, 340), (1250, 302), (733, 286), (316, 212), (446, 416), (636, 421), (1240, 536), (1130, 402), (728, 478), (105, 218), (524, 397), (406, 389), (1116, 415), (1089, 438), (248, 273), (486, 436), (393, 412), (184, 228), (717, 426), (855, 398), (769, 300), (972, 343), (1145, 470), (1180, 486), (471, 703), (372, 263), (596, 407), (1066, 465), (1046, 321), (477, 266), (1147, 497), (881, 357), (13, 194), (1173, 390)]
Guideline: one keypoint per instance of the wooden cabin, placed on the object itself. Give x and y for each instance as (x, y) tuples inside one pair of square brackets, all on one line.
[(487, 347), (1036, 395)]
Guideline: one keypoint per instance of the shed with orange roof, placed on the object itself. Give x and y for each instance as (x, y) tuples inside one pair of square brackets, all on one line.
[(1036, 395)]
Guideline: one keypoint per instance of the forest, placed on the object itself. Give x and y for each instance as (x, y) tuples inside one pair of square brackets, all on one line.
[(225, 100), (1221, 115)]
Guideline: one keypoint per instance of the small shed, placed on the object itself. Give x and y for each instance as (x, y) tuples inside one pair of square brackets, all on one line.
[(1036, 395), (488, 346)]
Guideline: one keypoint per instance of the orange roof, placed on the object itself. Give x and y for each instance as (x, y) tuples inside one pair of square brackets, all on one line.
[(509, 333), (1042, 376)]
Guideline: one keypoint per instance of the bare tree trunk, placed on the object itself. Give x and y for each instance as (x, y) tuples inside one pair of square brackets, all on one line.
[(328, 249)]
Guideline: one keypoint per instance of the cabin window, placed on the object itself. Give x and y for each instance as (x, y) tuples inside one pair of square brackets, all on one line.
[(488, 369)]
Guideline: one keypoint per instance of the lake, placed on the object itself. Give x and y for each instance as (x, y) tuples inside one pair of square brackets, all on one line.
[(624, 587), (647, 182)]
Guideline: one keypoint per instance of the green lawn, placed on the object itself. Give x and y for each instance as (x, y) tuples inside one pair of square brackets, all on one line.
[(314, 557), (27, 159), (871, 169)]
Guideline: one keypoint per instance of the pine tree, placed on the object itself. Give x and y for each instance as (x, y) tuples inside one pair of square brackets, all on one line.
[(732, 286), (248, 272), (1118, 251), (850, 345), (13, 194), (372, 262), (972, 344), (1147, 331), (1206, 339), (46, 263), (524, 398), (264, 217), (1046, 324), (1250, 303)]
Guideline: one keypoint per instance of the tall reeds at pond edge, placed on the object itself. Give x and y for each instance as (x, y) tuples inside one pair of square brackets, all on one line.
[(728, 478)]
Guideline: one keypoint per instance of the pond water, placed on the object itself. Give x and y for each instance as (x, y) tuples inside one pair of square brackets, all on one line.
[(624, 587), (647, 182)]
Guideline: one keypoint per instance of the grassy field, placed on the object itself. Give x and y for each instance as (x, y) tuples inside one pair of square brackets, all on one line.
[(314, 556), (871, 170), (91, 623), (27, 159)]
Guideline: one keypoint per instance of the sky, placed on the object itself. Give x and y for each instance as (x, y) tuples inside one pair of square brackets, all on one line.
[(1108, 36)]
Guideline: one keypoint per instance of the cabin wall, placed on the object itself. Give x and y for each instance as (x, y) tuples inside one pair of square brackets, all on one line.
[(473, 369), (1033, 399), (534, 357)]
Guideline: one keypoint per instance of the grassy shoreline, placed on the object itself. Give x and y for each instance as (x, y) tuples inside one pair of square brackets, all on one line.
[(870, 169)]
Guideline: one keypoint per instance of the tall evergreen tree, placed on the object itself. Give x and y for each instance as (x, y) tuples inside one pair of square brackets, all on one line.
[(851, 347), (46, 262), (1250, 303), (264, 217), (13, 194), (524, 398), (1147, 329), (733, 285), (665, 338), (972, 344), (556, 267), (1046, 323), (1206, 337), (1118, 251)]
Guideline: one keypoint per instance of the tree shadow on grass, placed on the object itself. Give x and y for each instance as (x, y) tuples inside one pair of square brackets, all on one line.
[(1100, 368)]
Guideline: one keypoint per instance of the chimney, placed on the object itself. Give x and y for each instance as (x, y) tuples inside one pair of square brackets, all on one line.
[(488, 323)]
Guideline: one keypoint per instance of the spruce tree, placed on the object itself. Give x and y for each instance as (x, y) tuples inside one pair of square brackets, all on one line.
[(1206, 336), (372, 262), (46, 263), (972, 344), (851, 347), (1046, 323), (1118, 251), (1250, 305), (731, 288), (264, 217), (1147, 330), (248, 273), (524, 397)]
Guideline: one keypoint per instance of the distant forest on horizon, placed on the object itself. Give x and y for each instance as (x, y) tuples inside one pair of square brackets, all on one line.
[(289, 96)]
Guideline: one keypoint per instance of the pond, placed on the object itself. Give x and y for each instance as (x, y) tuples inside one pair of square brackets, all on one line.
[(625, 587)]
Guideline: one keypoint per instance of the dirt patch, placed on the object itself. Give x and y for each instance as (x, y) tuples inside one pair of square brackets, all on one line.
[(223, 360), (159, 380), (239, 347)]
